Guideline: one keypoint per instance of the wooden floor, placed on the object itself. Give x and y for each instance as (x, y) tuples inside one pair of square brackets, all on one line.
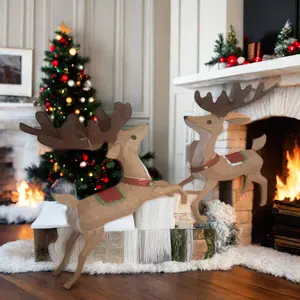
[(239, 283)]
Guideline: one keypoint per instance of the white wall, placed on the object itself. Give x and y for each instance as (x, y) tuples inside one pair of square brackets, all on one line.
[(117, 35), (195, 25)]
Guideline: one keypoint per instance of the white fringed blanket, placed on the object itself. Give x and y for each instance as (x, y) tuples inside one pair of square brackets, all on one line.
[(18, 257)]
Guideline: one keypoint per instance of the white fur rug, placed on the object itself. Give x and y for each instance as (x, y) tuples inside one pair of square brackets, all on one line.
[(18, 257)]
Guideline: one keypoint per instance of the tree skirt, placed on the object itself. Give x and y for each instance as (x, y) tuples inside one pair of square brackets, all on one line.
[(18, 257)]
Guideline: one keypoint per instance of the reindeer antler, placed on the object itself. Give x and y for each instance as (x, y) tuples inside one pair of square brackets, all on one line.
[(225, 104), (74, 135)]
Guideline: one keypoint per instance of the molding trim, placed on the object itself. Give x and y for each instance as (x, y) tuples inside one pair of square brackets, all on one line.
[(119, 51)]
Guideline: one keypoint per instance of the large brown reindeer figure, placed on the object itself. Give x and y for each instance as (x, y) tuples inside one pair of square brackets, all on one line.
[(208, 165), (135, 188)]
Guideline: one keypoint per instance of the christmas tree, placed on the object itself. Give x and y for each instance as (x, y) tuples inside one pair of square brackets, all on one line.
[(67, 89), (226, 51), (284, 44)]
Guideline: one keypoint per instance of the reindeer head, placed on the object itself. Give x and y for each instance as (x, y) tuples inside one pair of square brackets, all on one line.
[(213, 124), (128, 142)]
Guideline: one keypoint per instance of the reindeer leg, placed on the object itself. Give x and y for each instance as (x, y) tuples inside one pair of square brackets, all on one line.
[(92, 239), (169, 189), (210, 184), (263, 182), (68, 252)]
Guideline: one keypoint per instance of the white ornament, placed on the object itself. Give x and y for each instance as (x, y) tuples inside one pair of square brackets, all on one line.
[(82, 164), (82, 99), (81, 119), (71, 82), (241, 60), (80, 67)]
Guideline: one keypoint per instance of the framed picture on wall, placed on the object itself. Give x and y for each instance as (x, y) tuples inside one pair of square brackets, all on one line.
[(15, 72)]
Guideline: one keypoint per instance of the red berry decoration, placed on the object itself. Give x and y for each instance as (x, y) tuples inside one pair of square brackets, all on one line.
[(297, 44), (222, 59), (55, 63), (291, 48), (257, 59), (232, 60), (85, 157), (52, 48), (64, 77)]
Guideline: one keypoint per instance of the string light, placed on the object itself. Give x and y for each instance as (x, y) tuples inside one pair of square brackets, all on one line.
[(58, 37), (78, 83), (82, 99), (77, 111), (90, 174), (81, 119), (91, 99), (69, 100), (61, 174), (83, 164), (72, 51)]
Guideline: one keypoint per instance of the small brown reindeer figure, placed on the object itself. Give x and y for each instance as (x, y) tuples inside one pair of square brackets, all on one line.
[(208, 165), (135, 188)]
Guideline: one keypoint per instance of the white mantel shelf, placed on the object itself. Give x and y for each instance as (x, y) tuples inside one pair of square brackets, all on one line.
[(275, 67)]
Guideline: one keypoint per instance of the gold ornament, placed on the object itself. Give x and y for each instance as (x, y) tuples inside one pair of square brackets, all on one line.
[(64, 28), (77, 111), (69, 100), (56, 167), (72, 51), (91, 99)]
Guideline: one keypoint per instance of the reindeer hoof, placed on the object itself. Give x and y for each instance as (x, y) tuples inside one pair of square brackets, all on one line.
[(68, 285)]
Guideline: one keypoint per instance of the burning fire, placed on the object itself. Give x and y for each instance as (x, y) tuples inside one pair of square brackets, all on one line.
[(28, 195), (290, 189)]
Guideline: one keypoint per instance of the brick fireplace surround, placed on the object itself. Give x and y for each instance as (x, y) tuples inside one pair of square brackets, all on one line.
[(283, 101)]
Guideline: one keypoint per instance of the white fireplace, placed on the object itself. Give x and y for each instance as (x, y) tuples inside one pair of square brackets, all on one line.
[(283, 101), (25, 148)]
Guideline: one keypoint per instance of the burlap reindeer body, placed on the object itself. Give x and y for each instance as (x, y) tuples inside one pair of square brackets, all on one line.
[(135, 188), (208, 165)]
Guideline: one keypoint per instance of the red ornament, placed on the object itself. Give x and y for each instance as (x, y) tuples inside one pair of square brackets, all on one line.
[(55, 63), (257, 59), (64, 77), (291, 48), (297, 44), (53, 75), (94, 118), (42, 89), (47, 104), (52, 160), (105, 179), (222, 59), (52, 48), (62, 40), (246, 62), (232, 60), (228, 65), (98, 186), (85, 157)]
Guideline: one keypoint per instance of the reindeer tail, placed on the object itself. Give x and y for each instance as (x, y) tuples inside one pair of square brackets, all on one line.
[(259, 142)]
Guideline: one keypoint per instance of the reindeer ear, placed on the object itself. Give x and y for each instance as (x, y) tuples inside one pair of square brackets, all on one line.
[(114, 151), (237, 118)]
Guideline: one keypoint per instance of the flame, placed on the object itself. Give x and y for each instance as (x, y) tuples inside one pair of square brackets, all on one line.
[(290, 189), (29, 195)]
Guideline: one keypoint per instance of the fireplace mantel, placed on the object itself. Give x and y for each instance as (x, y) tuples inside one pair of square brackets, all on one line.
[(285, 68)]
